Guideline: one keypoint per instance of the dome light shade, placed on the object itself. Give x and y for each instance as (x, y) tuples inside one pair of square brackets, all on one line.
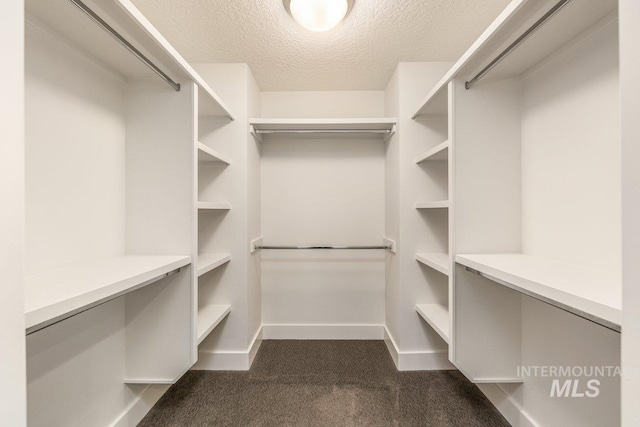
[(318, 15)]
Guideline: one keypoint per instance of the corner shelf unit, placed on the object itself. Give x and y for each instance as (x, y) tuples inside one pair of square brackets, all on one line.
[(437, 316), (59, 294), (209, 317), (209, 156), (384, 128), (209, 262), (439, 204), (438, 153), (437, 261), (590, 293)]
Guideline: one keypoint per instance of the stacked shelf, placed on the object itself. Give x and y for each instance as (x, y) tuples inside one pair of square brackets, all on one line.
[(213, 206), (437, 261), (437, 316), (435, 163), (207, 156), (209, 317), (438, 153), (208, 262)]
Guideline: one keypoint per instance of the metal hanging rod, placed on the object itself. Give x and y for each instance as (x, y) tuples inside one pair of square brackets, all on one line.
[(272, 131), (323, 247), (68, 315), (109, 29), (555, 9)]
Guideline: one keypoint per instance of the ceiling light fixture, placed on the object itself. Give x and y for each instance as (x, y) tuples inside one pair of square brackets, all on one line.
[(318, 15)]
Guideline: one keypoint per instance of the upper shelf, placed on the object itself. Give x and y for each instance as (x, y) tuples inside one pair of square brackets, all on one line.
[(568, 23), (65, 22), (381, 127), (593, 294), (57, 294)]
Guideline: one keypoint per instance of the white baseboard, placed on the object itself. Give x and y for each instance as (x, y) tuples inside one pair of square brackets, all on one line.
[(417, 360), (136, 411), (509, 408), (229, 360), (323, 332)]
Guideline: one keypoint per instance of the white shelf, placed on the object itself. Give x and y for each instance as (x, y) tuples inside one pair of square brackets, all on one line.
[(383, 127), (214, 206), (439, 204), (590, 293), (438, 153), (66, 23), (209, 317), (437, 261), (208, 155), (57, 294), (437, 316), (517, 17), (208, 262), (436, 103)]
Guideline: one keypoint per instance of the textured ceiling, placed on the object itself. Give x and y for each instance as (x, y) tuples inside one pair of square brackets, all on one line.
[(360, 54)]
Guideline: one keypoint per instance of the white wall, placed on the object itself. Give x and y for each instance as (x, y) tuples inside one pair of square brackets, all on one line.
[(75, 127), (571, 156), (12, 341), (322, 191), (630, 94)]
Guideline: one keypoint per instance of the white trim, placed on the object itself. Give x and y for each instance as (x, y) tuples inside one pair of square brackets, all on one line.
[(135, 412), (417, 360), (509, 408), (323, 332), (229, 360)]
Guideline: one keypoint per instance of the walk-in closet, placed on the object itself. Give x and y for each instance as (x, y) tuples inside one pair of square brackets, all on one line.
[(320, 212)]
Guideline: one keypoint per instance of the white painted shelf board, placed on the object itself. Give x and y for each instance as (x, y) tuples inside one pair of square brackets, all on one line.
[(220, 206), (66, 23), (436, 103), (575, 18), (55, 294), (438, 153), (439, 204), (437, 261), (587, 292), (209, 317), (323, 124), (207, 155), (437, 316), (208, 262)]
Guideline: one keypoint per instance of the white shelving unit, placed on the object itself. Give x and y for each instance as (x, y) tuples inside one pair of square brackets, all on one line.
[(438, 153), (438, 204), (214, 206), (58, 294), (437, 316), (210, 316), (438, 261), (590, 293), (207, 155), (385, 127), (208, 262)]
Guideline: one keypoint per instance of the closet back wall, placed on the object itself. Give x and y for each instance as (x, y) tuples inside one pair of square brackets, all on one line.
[(322, 191)]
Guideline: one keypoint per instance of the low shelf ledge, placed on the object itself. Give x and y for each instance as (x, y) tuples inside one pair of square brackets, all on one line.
[(437, 316), (209, 262), (209, 317)]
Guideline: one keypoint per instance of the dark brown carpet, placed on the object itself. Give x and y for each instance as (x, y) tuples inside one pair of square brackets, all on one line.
[(323, 383)]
